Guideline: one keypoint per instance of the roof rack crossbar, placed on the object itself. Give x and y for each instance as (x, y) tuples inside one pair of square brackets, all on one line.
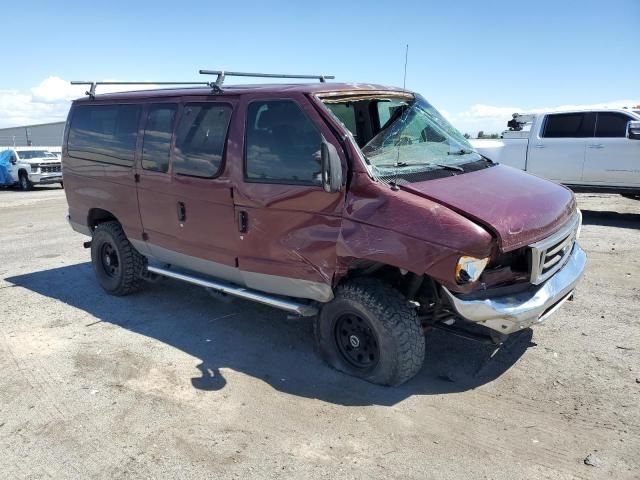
[(92, 89), (222, 74)]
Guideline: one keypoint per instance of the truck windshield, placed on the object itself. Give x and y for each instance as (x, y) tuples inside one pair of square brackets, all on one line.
[(417, 135), (31, 154)]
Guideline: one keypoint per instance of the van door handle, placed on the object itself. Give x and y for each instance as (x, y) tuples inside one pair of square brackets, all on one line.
[(596, 145), (539, 145), (182, 212), (243, 221)]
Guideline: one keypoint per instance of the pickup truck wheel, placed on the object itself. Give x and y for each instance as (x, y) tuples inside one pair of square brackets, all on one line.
[(23, 181), (370, 331), (117, 264)]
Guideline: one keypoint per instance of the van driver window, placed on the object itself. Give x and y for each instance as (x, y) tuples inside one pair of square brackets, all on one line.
[(282, 144)]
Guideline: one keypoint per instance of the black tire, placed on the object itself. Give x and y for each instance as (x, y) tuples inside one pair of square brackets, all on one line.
[(632, 196), (23, 182), (118, 266), (386, 321), (61, 184)]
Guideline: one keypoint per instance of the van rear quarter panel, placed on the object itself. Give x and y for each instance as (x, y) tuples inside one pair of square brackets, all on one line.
[(90, 184)]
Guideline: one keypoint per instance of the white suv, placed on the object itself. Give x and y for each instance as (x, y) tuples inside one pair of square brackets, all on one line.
[(28, 166)]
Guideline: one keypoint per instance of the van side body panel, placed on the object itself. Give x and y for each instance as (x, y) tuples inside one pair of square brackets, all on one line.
[(94, 185)]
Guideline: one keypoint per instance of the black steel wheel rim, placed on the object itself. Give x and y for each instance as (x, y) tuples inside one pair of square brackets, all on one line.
[(357, 341), (109, 259)]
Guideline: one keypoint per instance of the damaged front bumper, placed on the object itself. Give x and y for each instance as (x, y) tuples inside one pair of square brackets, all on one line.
[(511, 313)]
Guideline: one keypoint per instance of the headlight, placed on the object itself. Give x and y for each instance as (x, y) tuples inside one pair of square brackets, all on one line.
[(469, 269), (34, 167)]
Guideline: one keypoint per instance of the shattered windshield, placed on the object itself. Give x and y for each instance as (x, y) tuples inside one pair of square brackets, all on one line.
[(414, 134)]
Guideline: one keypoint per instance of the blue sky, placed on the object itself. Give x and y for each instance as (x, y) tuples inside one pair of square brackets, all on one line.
[(474, 60)]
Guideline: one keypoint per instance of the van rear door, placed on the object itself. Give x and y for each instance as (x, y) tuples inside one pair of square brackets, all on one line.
[(184, 193)]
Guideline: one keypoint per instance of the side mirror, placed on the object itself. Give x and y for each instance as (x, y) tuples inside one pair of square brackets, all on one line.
[(13, 160), (633, 130), (331, 167)]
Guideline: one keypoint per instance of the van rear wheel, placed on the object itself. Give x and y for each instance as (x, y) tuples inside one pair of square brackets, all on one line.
[(118, 266), (370, 331)]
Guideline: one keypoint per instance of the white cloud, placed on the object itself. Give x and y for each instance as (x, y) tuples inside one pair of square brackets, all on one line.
[(49, 101), (493, 119)]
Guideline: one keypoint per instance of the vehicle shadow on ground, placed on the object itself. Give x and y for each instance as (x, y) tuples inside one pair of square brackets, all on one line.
[(262, 342), (35, 188), (611, 219)]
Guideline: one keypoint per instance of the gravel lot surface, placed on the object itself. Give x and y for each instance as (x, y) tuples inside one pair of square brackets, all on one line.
[(173, 383)]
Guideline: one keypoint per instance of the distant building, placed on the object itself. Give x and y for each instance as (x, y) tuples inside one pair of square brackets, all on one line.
[(41, 135)]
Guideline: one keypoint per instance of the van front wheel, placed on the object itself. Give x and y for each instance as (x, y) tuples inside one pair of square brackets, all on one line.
[(369, 330), (118, 266)]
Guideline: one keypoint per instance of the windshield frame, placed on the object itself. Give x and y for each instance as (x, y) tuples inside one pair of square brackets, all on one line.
[(450, 162), (393, 141)]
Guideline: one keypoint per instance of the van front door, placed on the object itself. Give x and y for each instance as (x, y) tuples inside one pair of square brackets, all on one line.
[(184, 195), (612, 159), (287, 225)]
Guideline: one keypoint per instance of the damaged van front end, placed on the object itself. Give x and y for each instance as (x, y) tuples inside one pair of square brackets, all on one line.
[(474, 244)]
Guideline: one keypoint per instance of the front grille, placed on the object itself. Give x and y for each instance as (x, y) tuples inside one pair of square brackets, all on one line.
[(549, 255), (54, 168)]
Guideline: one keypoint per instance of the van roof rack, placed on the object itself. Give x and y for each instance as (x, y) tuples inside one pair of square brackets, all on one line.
[(215, 86), (92, 89), (223, 74)]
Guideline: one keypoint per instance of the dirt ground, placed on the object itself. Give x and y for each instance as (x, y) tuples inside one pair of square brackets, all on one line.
[(173, 383)]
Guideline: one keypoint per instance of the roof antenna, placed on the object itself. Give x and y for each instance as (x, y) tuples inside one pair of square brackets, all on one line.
[(394, 184)]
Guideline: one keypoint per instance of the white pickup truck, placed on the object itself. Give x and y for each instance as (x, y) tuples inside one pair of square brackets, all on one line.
[(29, 166), (587, 150)]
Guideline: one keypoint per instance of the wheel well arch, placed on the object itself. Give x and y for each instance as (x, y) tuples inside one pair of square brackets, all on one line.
[(96, 216), (408, 283)]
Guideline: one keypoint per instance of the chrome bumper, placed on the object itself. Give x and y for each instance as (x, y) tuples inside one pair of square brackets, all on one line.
[(511, 313)]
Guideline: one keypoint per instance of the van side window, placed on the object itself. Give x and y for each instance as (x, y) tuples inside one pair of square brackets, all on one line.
[(569, 125), (104, 133), (282, 144), (200, 139), (157, 137), (611, 125)]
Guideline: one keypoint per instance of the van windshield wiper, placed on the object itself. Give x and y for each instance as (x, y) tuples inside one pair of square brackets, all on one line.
[(454, 168), (392, 165), (462, 151)]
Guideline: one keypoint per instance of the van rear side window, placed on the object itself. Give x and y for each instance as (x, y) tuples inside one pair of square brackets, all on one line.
[(200, 139), (104, 133)]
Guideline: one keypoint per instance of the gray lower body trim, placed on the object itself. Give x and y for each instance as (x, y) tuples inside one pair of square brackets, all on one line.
[(78, 227), (290, 287)]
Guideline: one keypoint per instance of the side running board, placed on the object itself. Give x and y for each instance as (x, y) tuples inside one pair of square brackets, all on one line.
[(302, 309)]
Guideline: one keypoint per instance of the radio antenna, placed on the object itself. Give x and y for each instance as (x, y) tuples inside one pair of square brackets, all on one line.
[(394, 184), (406, 59)]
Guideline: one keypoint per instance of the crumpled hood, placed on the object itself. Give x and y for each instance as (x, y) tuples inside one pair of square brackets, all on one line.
[(517, 207)]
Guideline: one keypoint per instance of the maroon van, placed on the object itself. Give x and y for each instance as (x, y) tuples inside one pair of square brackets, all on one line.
[(357, 204)]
